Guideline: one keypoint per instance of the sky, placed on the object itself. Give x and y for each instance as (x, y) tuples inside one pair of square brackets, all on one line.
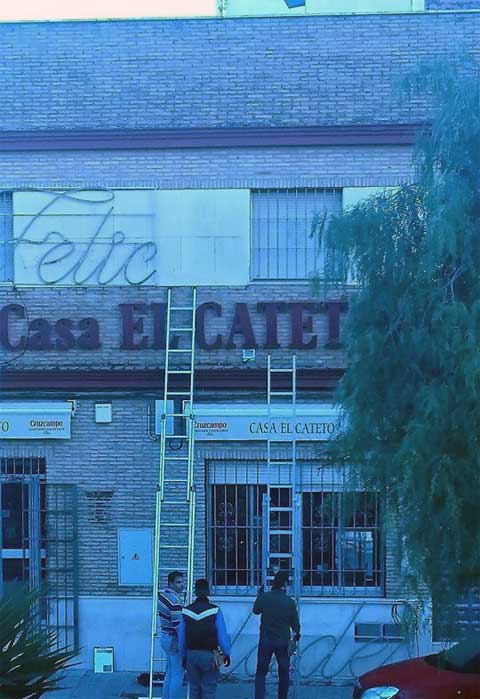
[(90, 9)]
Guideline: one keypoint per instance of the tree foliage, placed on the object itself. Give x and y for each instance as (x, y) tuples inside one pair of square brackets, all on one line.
[(28, 662), (412, 387)]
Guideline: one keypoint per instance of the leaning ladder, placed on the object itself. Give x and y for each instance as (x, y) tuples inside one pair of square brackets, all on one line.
[(175, 495), (282, 501)]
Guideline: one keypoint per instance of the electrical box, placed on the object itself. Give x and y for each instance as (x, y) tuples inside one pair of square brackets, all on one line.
[(158, 417), (135, 556)]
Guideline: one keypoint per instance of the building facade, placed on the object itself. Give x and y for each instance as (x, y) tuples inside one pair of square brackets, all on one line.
[(146, 154)]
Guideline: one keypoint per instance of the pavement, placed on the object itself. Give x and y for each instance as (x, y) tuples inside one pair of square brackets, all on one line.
[(82, 684)]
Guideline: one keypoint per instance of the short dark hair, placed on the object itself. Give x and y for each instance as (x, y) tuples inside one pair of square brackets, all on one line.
[(173, 576), (280, 579), (202, 587)]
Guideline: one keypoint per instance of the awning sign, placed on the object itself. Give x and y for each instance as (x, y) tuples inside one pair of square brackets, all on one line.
[(35, 420), (257, 422)]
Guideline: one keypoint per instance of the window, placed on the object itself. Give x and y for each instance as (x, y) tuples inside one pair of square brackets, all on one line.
[(336, 543), (236, 535), (6, 236), (342, 550), (282, 244)]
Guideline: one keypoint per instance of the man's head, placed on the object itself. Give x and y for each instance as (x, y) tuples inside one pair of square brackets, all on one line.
[(280, 581), (176, 582), (202, 588)]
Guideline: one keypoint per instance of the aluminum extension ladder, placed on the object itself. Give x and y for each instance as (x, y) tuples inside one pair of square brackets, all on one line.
[(282, 505), (175, 495)]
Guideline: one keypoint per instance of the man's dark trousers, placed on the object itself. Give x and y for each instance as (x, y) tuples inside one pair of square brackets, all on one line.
[(267, 648)]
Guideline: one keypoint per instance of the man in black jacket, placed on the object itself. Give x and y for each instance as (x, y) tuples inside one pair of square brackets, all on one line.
[(202, 631), (278, 615)]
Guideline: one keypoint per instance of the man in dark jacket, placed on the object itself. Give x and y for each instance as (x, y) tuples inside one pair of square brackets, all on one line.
[(278, 615), (202, 631)]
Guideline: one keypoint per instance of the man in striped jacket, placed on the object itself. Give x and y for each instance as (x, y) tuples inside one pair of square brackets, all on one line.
[(170, 613)]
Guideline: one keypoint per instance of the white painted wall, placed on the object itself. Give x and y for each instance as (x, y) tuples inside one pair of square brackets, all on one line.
[(204, 236), (355, 195), (125, 237), (329, 650)]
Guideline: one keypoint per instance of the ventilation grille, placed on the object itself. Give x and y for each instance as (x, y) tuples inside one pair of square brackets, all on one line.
[(99, 503)]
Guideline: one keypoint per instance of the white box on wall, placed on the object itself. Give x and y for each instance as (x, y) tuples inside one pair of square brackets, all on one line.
[(103, 413)]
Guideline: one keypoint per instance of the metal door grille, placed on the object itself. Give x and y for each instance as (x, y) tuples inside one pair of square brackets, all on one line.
[(38, 542)]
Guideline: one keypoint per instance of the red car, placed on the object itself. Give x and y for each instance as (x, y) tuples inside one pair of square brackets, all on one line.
[(451, 674)]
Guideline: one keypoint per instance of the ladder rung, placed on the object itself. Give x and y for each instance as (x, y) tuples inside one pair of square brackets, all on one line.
[(281, 371), (272, 554), (176, 458), (280, 462), (176, 436), (173, 524), (181, 350), (179, 371), (186, 392), (182, 308), (173, 546), (176, 480), (272, 393), (176, 502), (167, 415), (181, 330), (276, 532)]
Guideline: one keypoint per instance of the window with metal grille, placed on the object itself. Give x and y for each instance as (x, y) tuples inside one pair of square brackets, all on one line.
[(282, 244), (342, 547), (236, 535), (340, 550), (6, 236)]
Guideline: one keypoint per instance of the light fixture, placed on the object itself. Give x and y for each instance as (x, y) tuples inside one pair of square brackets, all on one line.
[(294, 3)]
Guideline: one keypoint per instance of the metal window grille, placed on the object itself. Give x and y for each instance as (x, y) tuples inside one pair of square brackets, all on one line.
[(6, 236), (236, 535), (282, 244), (340, 551), (341, 541)]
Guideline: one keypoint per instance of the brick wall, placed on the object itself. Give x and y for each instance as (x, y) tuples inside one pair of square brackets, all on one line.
[(104, 305), (219, 73), (356, 166), (452, 5)]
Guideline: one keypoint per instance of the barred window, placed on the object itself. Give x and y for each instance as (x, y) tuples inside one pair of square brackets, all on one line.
[(236, 535), (337, 545), (342, 548), (282, 244), (6, 236)]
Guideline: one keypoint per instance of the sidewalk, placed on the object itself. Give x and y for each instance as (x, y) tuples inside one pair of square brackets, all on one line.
[(81, 684)]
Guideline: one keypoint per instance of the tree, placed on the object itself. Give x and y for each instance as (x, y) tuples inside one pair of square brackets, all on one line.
[(411, 392), (28, 665)]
